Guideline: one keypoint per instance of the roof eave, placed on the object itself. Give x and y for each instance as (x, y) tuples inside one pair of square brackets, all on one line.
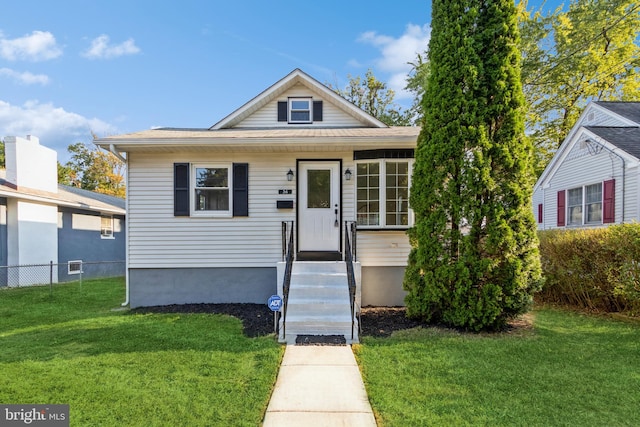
[(58, 202)]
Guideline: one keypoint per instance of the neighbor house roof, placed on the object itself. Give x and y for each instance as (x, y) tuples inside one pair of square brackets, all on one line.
[(628, 110), (66, 196), (625, 138)]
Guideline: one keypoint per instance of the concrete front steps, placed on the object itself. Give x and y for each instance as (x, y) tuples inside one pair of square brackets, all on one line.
[(318, 302)]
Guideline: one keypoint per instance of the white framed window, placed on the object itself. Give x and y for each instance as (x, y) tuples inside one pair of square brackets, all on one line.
[(300, 110), (382, 193), (584, 205), (211, 187), (106, 227), (593, 203)]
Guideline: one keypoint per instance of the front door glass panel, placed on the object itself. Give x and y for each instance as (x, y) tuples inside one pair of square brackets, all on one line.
[(318, 189)]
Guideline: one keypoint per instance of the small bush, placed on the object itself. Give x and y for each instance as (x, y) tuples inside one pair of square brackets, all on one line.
[(597, 269)]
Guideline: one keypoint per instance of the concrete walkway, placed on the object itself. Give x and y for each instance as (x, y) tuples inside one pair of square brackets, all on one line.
[(319, 386)]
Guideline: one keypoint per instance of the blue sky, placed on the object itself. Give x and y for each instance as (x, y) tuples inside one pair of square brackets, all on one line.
[(72, 67)]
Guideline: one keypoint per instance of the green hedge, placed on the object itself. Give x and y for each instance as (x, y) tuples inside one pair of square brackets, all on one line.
[(597, 269)]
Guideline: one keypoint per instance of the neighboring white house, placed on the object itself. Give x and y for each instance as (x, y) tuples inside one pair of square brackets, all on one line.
[(593, 179), (42, 222), (206, 206)]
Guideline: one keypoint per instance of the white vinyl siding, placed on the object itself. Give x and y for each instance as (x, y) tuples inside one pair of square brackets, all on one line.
[(383, 248), (158, 239), (581, 169), (267, 116)]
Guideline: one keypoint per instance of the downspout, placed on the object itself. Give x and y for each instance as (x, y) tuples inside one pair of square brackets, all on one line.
[(544, 205), (112, 150), (124, 160)]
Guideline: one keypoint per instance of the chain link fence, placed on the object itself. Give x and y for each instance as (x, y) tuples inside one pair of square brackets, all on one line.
[(48, 274)]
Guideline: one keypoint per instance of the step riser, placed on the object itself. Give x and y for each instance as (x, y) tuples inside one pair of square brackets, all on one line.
[(319, 267)]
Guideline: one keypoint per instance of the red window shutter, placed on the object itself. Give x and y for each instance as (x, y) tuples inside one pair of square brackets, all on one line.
[(562, 212), (609, 202), (540, 213)]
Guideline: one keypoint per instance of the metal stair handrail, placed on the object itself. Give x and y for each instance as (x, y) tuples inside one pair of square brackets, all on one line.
[(350, 238), (288, 257)]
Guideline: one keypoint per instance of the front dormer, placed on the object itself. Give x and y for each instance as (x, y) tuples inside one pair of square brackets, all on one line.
[(296, 101)]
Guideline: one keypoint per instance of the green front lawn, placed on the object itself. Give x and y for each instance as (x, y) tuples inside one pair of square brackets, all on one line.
[(569, 370), (117, 368)]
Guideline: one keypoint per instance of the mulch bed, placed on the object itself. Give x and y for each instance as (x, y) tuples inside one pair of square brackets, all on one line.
[(257, 320)]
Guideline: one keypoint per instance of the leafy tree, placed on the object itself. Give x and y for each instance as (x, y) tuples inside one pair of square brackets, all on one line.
[(417, 84), (589, 52), (475, 261), (374, 97), (93, 169)]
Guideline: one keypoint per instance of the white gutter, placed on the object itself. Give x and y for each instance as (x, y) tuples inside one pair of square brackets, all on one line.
[(112, 149)]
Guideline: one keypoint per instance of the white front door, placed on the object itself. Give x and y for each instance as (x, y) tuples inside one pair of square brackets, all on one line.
[(319, 211)]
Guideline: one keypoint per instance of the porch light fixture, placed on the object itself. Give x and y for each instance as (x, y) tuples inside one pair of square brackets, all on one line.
[(347, 175), (290, 175)]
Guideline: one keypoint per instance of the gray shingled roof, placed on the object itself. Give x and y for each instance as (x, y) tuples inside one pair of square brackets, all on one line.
[(626, 138), (66, 196), (628, 110), (86, 194)]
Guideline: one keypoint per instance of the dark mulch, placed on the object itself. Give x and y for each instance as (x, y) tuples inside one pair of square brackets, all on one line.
[(257, 319)]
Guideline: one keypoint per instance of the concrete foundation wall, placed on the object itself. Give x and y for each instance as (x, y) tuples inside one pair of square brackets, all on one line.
[(158, 286), (382, 286)]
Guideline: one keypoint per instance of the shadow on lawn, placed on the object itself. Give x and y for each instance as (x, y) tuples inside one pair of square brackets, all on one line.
[(126, 333)]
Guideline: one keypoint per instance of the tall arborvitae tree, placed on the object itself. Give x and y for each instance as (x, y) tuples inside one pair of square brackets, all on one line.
[(474, 262)]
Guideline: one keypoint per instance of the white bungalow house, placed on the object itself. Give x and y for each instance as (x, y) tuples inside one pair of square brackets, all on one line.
[(206, 207), (593, 180)]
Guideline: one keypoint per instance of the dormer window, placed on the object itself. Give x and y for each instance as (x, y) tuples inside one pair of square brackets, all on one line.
[(300, 111)]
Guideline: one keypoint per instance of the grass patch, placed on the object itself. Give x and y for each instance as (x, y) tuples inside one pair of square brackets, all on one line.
[(117, 368), (570, 369)]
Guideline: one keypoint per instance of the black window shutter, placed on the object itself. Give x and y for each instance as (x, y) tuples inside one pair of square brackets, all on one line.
[(241, 189), (181, 189), (317, 111), (282, 111)]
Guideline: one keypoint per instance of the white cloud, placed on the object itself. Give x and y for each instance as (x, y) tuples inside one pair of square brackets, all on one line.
[(55, 127), (397, 53), (37, 46), (26, 77), (101, 49)]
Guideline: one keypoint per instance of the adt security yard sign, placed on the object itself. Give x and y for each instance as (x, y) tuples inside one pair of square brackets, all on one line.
[(275, 303)]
